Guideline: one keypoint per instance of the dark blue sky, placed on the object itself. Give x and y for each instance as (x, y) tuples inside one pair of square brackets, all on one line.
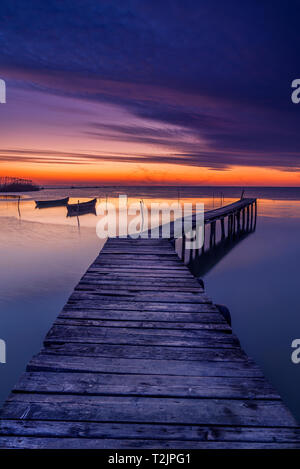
[(213, 77)]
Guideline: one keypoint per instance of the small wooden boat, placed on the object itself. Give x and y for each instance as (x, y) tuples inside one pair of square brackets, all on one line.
[(81, 208), (51, 203)]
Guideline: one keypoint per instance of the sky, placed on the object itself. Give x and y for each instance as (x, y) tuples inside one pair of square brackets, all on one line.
[(150, 92)]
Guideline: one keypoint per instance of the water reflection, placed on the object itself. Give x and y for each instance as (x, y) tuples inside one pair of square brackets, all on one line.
[(40, 265), (24, 207), (206, 259)]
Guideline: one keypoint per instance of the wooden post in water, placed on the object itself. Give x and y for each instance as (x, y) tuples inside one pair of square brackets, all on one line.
[(188, 255), (238, 218), (212, 240), (222, 228), (211, 235), (243, 219), (203, 246), (215, 232), (183, 248), (255, 203), (229, 226), (233, 223)]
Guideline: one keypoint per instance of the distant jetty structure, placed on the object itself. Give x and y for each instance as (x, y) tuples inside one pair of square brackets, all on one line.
[(12, 184)]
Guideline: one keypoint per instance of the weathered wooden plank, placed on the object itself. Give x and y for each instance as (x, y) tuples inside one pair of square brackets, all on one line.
[(146, 316), (137, 296), (96, 287), (145, 385), (137, 256), (110, 336), (139, 262), (140, 244), (155, 279), (50, 362), (163, 267), (89, 331), (120, 431), (111, 272), (148, 409), (90, 334), (192, 308), (222, 326), (126, 241), (159, 266), (86, 443), (150, 352), (138, 252), (95, 279)]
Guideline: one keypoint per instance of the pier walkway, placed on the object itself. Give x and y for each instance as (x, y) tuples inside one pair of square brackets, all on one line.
[(140, 357)]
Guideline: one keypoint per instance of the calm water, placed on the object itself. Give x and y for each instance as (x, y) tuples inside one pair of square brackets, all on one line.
[(44, 254)]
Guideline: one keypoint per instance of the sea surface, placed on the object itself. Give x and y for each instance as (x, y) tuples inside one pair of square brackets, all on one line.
[(44, 253)]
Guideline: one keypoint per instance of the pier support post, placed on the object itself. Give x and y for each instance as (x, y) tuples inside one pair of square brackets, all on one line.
[(222, 228), (183, 248), (229, 226), (238, 219), (212, 239), (211, 235), (188, 256), (247, 217), (255, 217)]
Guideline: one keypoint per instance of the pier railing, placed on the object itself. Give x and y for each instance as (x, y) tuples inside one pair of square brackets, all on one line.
[(234, 219)]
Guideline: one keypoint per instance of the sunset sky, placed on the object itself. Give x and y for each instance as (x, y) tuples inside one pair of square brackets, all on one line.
[(150, 92)]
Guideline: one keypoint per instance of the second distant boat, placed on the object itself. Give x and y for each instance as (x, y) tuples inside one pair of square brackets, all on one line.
[(82, 207)]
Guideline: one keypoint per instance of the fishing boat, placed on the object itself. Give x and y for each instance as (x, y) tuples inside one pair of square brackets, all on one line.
[(51, 203), (81, 208)]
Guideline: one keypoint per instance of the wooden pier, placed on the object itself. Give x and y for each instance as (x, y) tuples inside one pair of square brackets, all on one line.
[(140, 357), (234, 219)]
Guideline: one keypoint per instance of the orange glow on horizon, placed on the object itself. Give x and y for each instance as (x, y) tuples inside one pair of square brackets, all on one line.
[(150, 174)]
